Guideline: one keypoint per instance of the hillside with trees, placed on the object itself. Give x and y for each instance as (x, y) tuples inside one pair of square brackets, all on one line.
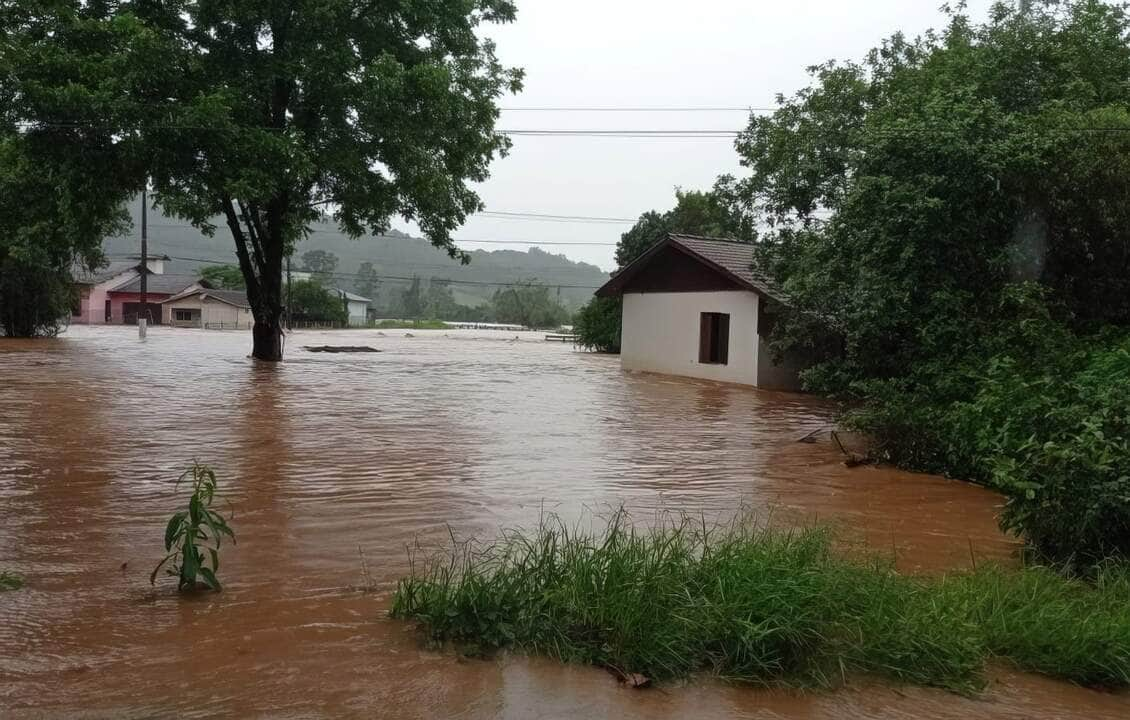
[(379, 267)]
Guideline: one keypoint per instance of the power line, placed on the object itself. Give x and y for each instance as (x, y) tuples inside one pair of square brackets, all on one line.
[(609, 109), (467, 241), (555, 218), (452, 281)]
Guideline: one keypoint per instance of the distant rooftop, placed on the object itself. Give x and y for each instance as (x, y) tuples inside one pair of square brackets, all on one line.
[(158, 284)]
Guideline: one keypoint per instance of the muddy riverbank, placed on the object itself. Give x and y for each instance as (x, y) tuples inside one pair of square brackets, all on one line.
[(327, 453)]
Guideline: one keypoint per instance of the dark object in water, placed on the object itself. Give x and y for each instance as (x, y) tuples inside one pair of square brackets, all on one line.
[(340, 348)]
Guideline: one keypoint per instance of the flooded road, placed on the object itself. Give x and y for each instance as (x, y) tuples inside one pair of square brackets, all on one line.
[(325, 454)]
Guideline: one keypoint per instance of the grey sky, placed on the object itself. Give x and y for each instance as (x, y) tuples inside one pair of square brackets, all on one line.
[(655, 53)]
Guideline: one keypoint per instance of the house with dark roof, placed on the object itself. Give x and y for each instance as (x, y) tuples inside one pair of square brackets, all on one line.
[(698, 307), (124, 300), (203, 307), (94, 305)]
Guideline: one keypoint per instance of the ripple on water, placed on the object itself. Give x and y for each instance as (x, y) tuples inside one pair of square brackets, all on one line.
[(324, 457)]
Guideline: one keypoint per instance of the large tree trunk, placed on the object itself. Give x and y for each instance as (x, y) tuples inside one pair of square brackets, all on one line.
[(267, 340), (260, 253)]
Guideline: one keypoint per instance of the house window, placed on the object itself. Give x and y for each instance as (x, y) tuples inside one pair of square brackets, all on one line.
[(714, 339), (182, 315)]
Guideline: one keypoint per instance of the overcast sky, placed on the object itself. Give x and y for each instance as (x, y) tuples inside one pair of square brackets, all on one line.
[(654, 53)]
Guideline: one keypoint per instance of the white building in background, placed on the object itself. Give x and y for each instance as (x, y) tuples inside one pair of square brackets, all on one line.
[(208, 309), (356, 306), (697, 307)]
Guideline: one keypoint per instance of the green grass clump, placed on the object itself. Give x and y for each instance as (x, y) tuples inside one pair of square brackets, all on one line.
[(753, 604), (10, 581), (1043, 622), (409, 325)]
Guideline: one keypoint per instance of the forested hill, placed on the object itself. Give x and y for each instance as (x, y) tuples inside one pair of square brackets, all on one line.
[(393, 256)]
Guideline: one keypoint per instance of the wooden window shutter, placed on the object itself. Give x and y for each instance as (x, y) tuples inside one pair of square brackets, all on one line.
[(704, 337), (723, 339)]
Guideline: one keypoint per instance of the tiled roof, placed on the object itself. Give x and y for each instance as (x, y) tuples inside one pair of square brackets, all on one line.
[(231, 297), (159, 284), (735, 257), (729, 258), (237, 298), (102, 274)]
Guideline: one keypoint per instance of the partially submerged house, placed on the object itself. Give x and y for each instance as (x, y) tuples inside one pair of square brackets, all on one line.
[(93, 306), (697, 307), (202, 307), (124, 301)]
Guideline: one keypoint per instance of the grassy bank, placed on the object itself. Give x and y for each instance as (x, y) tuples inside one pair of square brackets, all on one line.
[(409, 325), (758, 605)]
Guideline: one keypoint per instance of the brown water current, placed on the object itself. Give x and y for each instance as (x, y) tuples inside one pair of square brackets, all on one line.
[(324, 454)]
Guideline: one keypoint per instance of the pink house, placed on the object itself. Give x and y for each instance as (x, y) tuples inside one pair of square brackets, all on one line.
[(112, 294)]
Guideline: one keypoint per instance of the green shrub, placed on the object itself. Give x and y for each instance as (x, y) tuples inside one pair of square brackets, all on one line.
[(1049, 428), (192, 532), (597, 325), (10, 581)]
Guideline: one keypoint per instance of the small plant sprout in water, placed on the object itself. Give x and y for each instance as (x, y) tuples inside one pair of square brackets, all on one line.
[(10, 581), (193, 536)]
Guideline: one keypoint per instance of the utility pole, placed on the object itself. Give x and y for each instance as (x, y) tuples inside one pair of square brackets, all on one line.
[(288, 328), (1025, 6), (143, 310)]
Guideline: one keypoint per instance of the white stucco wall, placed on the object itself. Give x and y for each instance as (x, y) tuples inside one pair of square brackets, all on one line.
[(661, 334), (357, 312), (212, 313)]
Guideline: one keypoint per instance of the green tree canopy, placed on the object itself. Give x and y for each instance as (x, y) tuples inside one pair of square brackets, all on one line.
[(225, 277), (310, 301), (272, 112), (954, 208), (367, 283), (53, 217), (321, 264), (709, 213), (529, 305), (905, 193)]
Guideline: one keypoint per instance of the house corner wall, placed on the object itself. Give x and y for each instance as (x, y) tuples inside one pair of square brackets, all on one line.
[(660, 333)]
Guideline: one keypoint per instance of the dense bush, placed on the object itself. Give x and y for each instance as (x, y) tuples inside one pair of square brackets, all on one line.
[(597, 325), (1039, 413), (34, 299), (311, 301), (953, 209)]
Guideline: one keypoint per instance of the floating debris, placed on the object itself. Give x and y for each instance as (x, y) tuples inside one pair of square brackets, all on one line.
[(340, 348)]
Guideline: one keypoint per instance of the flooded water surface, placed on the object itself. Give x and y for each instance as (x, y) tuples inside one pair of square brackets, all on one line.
[(325, 457)]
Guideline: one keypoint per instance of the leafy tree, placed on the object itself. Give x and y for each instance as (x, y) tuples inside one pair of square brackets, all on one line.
[(271, 113), (411, 304), (710, 214), (439, 302), (597, 325), (224, 277), (320, 264), (312, 302), (528, 305), (367, 282), (51, 222), (954, 209)]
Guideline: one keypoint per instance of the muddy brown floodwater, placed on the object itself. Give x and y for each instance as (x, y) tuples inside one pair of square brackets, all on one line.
[(324, 454)]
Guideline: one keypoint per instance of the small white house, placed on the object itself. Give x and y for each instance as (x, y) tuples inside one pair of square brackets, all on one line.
[(209, 309), (696, 307), (356, 306)]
